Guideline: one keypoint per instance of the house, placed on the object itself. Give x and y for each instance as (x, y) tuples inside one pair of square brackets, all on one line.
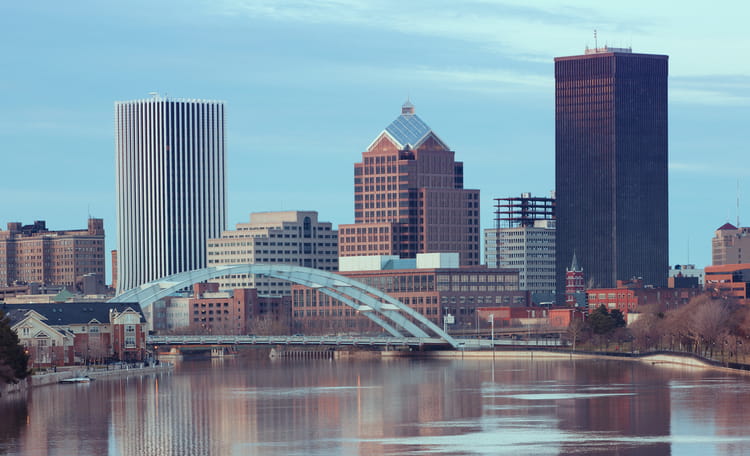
[(79, 332)]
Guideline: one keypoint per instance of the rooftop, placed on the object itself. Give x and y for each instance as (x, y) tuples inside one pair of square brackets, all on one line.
[(606, 50), (68, 313), (408, 130)]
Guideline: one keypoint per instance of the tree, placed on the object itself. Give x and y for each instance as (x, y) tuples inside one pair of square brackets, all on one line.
[(14, 361), (600, 321), (575, 328), (618, 318)]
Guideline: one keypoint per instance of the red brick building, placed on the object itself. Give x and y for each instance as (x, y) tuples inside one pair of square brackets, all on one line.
[(32, 253), (409, 197), (434, 290), (574, 286), (79, 332), (629, 295), (237, 312)]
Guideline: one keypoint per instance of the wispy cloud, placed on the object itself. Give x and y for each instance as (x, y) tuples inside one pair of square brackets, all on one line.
[(707, 97), (534, 33), (503, 26), (712, 169), (718, 90)]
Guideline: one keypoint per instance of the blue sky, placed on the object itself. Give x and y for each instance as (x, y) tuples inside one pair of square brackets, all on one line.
[(309, 84)]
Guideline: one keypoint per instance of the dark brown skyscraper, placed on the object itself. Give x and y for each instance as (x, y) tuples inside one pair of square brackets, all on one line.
[(409, 197), (611, 166)]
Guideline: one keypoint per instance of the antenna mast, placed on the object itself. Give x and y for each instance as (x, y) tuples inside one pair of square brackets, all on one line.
[(596, 43), (738, 202)]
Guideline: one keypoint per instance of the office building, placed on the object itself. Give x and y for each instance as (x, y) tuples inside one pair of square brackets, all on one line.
[(409, 197), (524, 239), (611, 166), (432, 284), (171, 191), (288, 237), (32, 254), (729, 281), (728, 243)]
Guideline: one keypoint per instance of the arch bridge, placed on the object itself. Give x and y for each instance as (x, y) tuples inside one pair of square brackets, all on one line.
[(398, 319)]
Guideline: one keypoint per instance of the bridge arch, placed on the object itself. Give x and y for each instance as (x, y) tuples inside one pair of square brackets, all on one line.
[(384, 310)]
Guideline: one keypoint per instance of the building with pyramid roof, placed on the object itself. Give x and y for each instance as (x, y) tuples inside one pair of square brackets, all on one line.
[(409, 197)]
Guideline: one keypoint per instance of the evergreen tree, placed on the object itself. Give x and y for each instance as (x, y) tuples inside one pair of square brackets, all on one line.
[(618, 318), (13, 358), (600, 321)]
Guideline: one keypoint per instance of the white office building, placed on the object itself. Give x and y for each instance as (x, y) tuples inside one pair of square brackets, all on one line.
[(524, 239), (171, 190)]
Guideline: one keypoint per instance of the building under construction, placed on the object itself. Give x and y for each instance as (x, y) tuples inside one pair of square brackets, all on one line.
[(523, 211), (524, 239)]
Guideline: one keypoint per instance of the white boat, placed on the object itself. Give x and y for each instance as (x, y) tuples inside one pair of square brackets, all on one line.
[(77, 380)]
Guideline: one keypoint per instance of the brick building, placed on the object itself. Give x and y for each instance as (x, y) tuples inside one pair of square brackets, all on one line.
[(224, 312), (32, 253), (409, 197), (629, 295), (432, 284), (79, 332)]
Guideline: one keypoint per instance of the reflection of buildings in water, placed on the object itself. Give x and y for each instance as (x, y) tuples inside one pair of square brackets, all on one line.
[(179, 415), (14, 411), (360, 407), (51, 409), (628, 399)]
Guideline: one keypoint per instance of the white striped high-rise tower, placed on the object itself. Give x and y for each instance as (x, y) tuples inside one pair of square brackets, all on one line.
[(171, 188)]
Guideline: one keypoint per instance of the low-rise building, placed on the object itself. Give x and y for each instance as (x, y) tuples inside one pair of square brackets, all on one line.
[(630, 295), (433, 284), (79, 332), (729, 281), (686, 276)]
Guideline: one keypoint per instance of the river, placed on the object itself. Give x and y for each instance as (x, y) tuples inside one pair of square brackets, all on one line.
[(388, 407)]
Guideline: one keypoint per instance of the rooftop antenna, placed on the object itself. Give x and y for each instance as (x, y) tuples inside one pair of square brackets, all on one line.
[(596, 43), (154, 94), (738, 202)]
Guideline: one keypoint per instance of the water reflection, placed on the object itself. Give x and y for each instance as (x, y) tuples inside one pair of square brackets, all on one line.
[(461, 407)]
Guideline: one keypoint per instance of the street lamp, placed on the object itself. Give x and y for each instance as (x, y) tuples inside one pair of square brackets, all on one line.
[(491, 321)]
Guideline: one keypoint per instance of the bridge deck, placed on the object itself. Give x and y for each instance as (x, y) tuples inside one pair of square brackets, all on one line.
[(467, 344)]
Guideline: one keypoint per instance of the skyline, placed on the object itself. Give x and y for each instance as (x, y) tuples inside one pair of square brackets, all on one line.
[(298, 95)]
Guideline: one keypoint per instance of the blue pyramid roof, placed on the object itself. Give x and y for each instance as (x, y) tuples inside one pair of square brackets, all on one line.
[(408, 129)]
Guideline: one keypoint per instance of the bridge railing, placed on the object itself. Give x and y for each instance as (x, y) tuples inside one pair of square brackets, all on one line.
[(290, 340)]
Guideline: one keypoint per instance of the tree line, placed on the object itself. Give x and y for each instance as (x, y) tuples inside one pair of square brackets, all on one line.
[(707, 326)]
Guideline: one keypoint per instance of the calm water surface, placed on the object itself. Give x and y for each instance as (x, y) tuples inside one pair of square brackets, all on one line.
[(410, 407)]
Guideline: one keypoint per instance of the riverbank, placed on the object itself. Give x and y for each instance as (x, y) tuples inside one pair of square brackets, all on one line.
[(94, 372), (654, 358)]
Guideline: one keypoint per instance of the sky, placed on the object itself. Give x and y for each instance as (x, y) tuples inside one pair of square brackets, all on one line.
[(309, 84)]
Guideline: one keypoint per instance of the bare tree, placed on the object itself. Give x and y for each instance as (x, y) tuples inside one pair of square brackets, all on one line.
[(575, 328), (709, 321)]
